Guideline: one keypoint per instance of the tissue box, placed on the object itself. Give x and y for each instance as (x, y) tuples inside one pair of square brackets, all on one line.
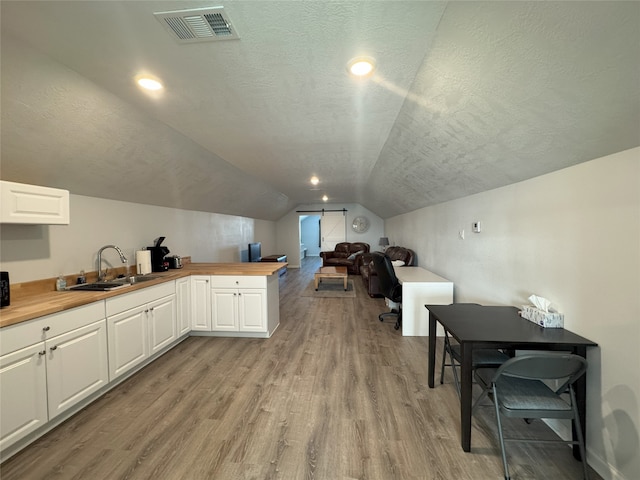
[(549, 319)]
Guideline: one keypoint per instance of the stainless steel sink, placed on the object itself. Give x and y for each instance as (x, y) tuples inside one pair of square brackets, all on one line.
[(99, 286), (137, 278), (115, 283)]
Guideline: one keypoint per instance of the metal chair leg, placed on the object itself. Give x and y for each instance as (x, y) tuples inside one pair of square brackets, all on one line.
[(583, 452), (500, 435)]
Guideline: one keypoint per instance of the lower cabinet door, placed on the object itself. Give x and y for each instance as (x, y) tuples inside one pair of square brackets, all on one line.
[(162, 323), (23, 396), (252, 310), (224, 309), (128, 341), (77, 366), (183, 306), (200, 303)]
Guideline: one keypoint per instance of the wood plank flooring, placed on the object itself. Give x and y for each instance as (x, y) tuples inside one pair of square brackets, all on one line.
[(333, 394)]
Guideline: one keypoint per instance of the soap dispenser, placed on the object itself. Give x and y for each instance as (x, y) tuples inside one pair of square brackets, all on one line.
[(61, 283)]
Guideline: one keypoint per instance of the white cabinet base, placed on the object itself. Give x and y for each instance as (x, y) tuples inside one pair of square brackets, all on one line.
[(76, 366), (128, 344), (23, 397)]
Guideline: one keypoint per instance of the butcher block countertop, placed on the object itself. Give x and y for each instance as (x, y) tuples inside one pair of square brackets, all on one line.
[(39, 302)]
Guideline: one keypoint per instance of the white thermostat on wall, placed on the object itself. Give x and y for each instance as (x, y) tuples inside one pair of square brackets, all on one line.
[(476, 227)]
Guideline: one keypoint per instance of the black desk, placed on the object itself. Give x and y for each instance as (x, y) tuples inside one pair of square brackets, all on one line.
[(476, 326)]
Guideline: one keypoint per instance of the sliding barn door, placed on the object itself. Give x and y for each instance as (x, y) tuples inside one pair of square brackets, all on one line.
[(333, 229)]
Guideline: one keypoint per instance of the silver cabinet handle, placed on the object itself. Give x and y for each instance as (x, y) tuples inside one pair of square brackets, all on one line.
[(55, 347), (43, 352)]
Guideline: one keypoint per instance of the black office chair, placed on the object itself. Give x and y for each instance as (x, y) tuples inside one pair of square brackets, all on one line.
[(518, 390), (389, 285)]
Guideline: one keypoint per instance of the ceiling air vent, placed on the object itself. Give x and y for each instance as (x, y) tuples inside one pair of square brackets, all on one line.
[(198, 24)]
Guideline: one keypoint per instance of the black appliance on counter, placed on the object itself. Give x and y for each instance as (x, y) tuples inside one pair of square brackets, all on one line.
[(174, 261), (5, 296), (158, 262)]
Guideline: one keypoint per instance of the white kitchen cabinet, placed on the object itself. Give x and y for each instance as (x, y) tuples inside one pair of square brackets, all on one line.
[(47, 365), (183, 306), (161, 316), (32, 204), (201, 303), (128, 342), (238, 310), (252, 310), (76, 366), (23, 396), (139, 324), (244, 304), (224, 310)]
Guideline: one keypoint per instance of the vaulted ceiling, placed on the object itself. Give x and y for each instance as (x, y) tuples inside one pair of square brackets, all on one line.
[(466, 97)]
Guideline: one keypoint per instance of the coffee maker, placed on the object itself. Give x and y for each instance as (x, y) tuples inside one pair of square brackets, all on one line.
[(158, 263)]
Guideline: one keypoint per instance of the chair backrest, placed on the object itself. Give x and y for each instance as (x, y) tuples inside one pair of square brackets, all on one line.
[(389, 284), (545, 366), (401, 253)]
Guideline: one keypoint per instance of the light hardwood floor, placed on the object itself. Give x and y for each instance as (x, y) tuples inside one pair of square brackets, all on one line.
[(333, 394)]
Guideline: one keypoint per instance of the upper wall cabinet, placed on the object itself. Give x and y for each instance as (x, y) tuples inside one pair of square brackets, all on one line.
[(21, 203)]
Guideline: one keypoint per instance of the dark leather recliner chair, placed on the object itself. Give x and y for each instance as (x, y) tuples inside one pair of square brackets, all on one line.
[(369, 276), (346, 254)]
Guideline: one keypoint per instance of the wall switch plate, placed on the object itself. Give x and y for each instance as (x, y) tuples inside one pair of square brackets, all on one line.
[(476, 227)]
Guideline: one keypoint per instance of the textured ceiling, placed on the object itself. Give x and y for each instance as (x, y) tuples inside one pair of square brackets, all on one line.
[(468, 96)]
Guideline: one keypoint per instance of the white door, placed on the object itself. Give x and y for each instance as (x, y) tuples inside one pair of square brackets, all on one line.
[(252, 310), (23, 396), (333, 229), (162, 323), (76, 366), (224, 309)]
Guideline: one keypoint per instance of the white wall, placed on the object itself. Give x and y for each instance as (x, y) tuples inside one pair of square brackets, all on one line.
[(288, 237), (31, 252), (572, 236)]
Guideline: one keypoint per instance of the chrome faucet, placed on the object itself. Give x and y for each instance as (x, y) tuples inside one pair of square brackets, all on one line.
[(101, 276)]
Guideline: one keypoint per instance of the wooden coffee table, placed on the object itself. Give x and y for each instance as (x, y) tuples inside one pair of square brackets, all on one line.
[(331, 272)]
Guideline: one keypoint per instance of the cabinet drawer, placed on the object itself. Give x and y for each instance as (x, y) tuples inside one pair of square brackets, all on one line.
[(238, 281), (131, 300), (27, 333)]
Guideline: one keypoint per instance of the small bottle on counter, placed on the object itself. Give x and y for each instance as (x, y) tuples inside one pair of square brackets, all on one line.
[(82, 278), (61, 283)]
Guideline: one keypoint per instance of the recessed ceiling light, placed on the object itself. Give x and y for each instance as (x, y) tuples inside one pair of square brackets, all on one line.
[(149, 83), (361, 66), (314, 180), (325, 198)]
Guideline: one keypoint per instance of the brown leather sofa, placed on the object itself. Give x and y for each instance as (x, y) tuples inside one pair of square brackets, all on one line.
[(369, 275), (346, 254)]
